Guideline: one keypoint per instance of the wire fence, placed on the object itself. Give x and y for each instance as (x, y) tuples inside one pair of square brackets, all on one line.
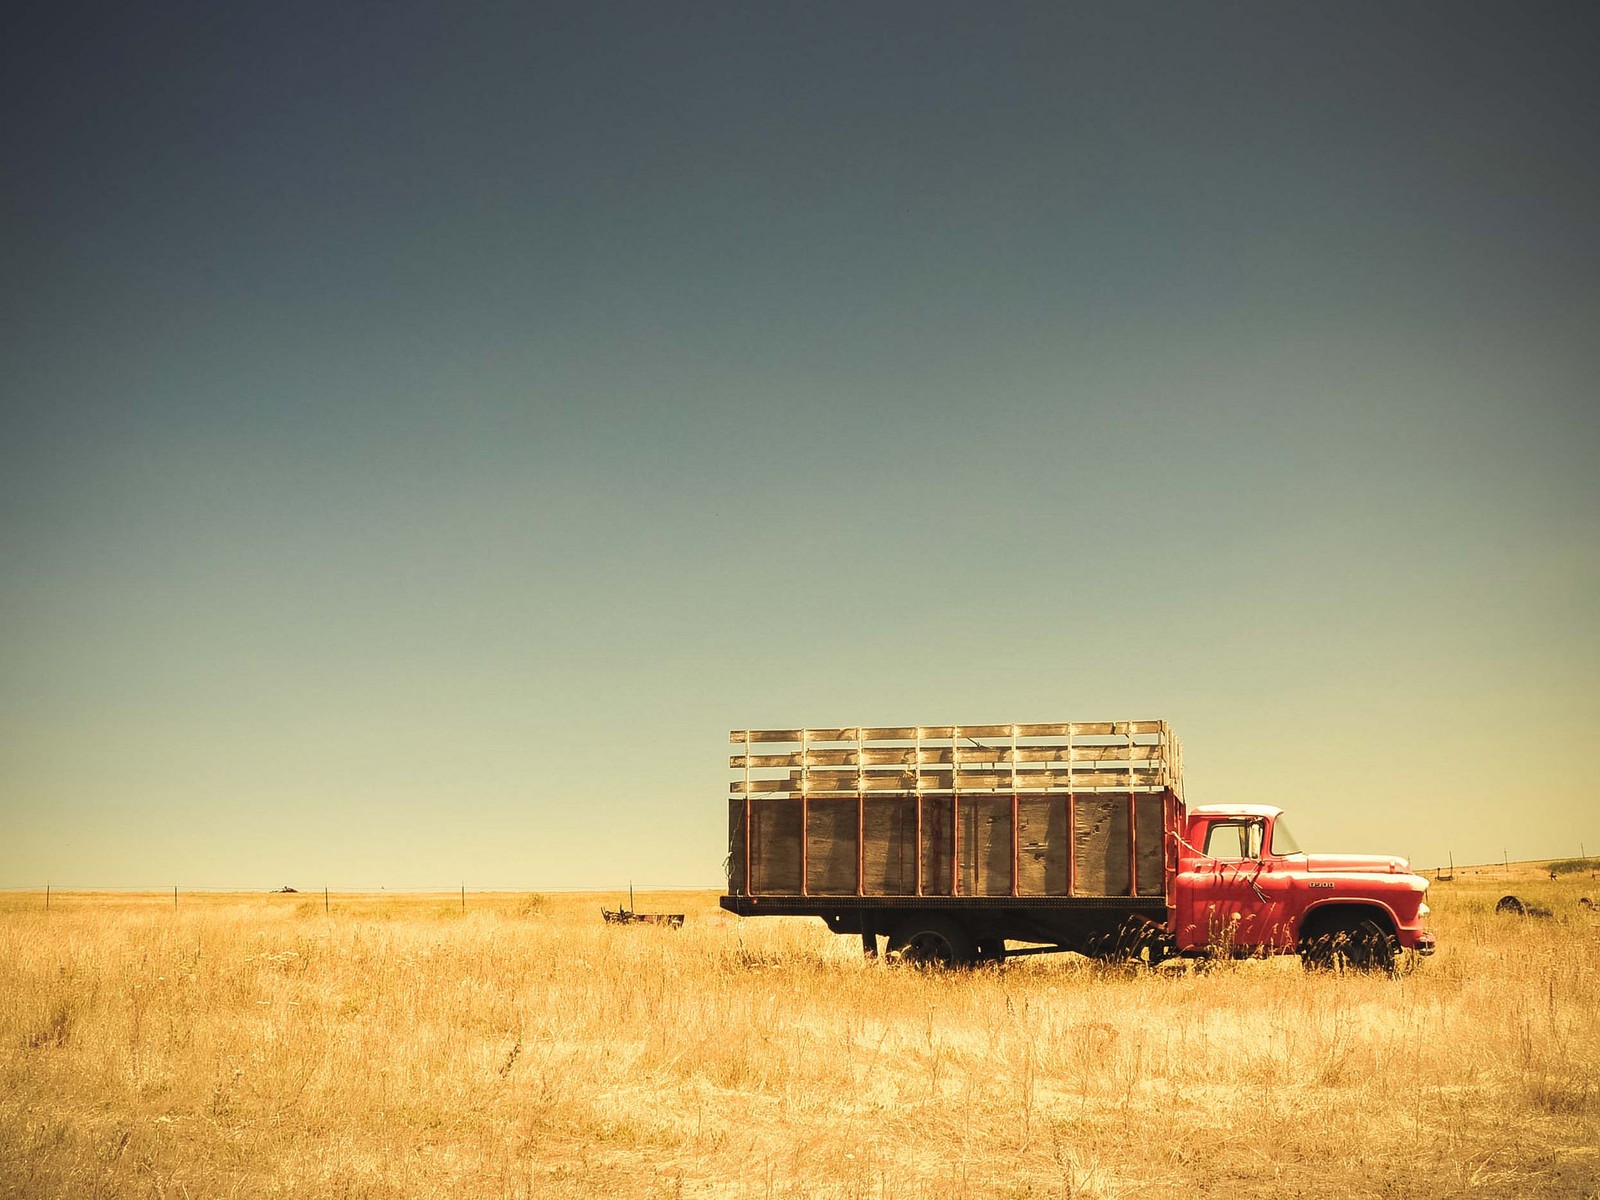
[(50, 893)]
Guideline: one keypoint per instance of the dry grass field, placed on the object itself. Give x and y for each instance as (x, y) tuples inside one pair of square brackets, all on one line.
[(249, 1045)]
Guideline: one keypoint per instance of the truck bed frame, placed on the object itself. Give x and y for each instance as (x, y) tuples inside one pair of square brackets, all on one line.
[(1048, 833)]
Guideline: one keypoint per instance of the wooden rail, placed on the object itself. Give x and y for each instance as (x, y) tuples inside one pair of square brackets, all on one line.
[(1142, 755)]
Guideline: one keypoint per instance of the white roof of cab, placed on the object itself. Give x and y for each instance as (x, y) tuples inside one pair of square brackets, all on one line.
[(1235, 810)]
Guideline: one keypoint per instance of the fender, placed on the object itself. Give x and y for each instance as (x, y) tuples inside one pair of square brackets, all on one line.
[(1347, 902)]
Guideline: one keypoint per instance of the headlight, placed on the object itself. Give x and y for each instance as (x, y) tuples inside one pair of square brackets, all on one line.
[(1423, 910)]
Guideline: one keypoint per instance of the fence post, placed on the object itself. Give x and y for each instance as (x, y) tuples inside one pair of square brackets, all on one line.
[(324, 899), (174, 895)]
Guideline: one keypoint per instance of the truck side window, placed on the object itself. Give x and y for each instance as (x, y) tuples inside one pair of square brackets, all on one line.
[(1225, 839), (1234, 839)]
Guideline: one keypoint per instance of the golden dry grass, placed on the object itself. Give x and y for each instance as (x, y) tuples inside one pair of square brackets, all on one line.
[(248, 1045)]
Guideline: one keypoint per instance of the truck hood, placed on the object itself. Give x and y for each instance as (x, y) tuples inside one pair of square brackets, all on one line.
[(1380, 864)]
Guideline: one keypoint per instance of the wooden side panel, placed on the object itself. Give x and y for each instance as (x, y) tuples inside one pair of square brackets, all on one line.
[(831, 848), (985, 845), (1152, 844), (1101, 846), (937, 832), (774, 847), (890, 856), (736, 847), (1042, 846)]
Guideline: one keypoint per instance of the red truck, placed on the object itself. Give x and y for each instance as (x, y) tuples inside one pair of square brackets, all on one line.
[(974, 843)]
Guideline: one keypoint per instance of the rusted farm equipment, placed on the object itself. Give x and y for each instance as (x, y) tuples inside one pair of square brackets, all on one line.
[(627, 916)]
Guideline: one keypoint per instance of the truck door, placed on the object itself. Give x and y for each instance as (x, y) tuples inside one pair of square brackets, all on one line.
[(1239, 899)]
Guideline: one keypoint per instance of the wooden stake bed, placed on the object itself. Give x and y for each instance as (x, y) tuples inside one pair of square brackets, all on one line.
[(1035, 810)]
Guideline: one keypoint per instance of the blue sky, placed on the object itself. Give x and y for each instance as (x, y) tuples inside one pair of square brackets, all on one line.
[(428, 432)]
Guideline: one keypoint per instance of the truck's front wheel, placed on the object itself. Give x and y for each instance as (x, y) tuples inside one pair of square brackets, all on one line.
[(1358, 945), (933, 942)]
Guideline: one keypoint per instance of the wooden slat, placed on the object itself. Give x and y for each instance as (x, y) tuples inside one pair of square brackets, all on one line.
[(1101, 837), (1106, 753), (1042, 846), (1086, 729), (1046, 754), (938, 840), (985, 731), (969, 777), (906, 733), (889, 855), (848, 782), (737, 834), (880, 756), (1091, 729), (775, 848), (1037, 730), (1056, 753), (986, 846), (831, 848), (872, 756), (1152, 843), (1056, 780), (1029, 771), (766, 736)]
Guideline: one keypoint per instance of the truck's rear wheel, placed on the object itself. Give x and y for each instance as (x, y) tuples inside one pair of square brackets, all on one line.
[(933, 942)]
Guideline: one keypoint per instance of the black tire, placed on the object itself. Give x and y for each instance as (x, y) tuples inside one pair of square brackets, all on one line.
[(1373, 948), (934, 942), (1510, 904), (1360, 945), (990, 950)]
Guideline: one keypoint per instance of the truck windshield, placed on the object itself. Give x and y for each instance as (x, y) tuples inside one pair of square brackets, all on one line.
[(1282, 840)]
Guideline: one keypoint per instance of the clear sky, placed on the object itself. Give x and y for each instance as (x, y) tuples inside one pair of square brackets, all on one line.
[(428, 428)]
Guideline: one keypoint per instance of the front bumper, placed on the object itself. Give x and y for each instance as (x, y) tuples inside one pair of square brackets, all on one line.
[(1423, 943)]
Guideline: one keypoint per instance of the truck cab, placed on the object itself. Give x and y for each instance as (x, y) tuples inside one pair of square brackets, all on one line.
[(1244, 886)]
